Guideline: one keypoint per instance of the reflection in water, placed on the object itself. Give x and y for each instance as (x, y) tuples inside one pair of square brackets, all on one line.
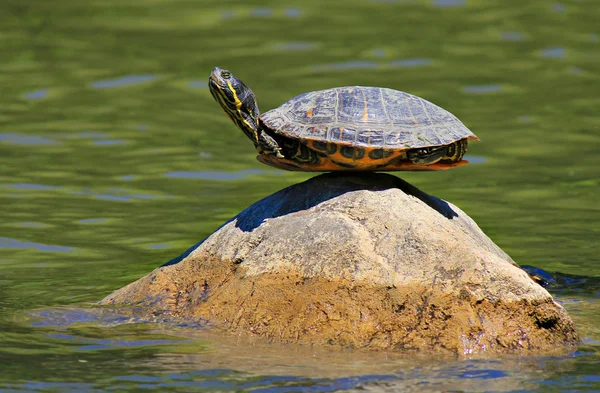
[(346, 65), (475, 159), (365, 64), (158, 246), (536, 194), (557, 7), (378, 53), (108, 142), (91, 134), (261, 12), (213, 175), (36, 95), (448, 3), (33, 224), (512, 36), (293, 12), (118, 195), (93, 221), (31, 186), (553, 52), (525, 118), (228, 14), (410, 62), (7, 242), (123, 81), (198, 85), (15, 138), (482, 89), (295, 46)]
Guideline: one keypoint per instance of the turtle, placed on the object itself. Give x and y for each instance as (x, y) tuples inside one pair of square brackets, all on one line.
[(352, 128)]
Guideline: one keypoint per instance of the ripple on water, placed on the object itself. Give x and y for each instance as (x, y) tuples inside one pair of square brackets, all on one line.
[(33, 224), (14, 138), (198, 85), (525, 118), (378, 53), (108, 142), (91, 134), (346, 65), (559, 8), (575, 70), (123, 81), (31, 186), (410, 62), (228, 14), (93, 221), (36, 95), (482, 89), (213, 175), (261, 12), (7, 242), (511, 36), (117, 195), (158, 246), (448, 3), (293, 12), (557, 52), (295, 46)]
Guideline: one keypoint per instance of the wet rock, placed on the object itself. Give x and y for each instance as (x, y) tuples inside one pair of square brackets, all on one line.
[(361, 261)]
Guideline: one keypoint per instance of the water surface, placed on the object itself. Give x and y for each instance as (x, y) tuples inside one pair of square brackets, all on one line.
[(115, 158)]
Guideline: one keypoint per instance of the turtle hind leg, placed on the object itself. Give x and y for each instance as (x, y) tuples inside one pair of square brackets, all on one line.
[(427, 155), (456, 151), (453, 152)]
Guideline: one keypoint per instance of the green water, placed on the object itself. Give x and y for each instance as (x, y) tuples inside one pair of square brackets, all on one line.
[(114, 158)]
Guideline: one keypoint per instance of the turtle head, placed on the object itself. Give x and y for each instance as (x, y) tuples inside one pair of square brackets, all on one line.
[(237, 100)]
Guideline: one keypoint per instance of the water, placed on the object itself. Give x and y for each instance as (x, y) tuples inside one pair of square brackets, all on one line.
[(114, 159)]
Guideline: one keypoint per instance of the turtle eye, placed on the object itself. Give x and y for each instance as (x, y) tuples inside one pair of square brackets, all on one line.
[(226, 74)]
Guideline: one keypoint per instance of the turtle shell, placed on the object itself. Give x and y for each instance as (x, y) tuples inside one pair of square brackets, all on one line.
[(368, 117)]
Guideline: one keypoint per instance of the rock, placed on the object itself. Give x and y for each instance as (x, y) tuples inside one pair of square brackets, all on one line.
[(361, 261)]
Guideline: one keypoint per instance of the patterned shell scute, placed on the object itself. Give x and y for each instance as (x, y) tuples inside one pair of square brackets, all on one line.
[(366, 116)]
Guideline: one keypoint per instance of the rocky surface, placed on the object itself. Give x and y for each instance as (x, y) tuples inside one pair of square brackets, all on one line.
[(361, 261)]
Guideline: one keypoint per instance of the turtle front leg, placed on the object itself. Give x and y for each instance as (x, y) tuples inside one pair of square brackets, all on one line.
[(268, 145)]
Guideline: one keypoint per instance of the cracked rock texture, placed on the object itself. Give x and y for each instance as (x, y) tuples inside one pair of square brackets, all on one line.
[(361, 261)]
